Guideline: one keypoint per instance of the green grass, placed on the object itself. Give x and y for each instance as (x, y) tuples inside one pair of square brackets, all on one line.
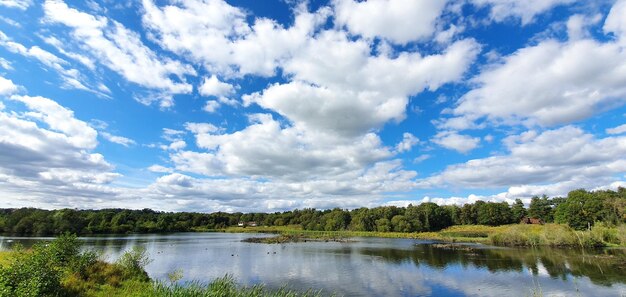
[(558, 235), (5, 257)]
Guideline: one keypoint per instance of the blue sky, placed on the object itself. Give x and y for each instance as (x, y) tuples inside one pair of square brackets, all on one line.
[(208, 105)]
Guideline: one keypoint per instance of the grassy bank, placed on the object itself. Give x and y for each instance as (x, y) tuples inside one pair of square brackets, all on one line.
[(556, 235)]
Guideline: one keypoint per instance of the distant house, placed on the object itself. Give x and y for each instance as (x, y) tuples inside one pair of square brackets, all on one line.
[(533, 221), (244, 224)]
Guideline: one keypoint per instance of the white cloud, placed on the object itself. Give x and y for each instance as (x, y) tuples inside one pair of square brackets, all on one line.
[(7, 87), (266, 149), (577, 25), (118, 139), (5, 64), (217, 35), (60, 46), (58, 118), (408, 141), (19, 4), (176, 145), (45, 155), (421, 158), (526, 10), (211, 106), (214, 87), (71, 77), (119, 49), (621, 129), (454, 141), (568, 156), (616, 21), (364, 188), (172, 134), (550, 83), (339, 88), (200, 128), (160, 169), (399, 21)]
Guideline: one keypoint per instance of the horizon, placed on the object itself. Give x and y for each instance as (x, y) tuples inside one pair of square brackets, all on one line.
[(259, 107)]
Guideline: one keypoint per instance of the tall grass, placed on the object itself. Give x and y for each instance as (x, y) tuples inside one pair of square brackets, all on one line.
[(226, 287), (555, 235)]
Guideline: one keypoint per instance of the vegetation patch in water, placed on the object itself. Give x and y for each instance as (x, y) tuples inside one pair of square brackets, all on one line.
[(295, 238)]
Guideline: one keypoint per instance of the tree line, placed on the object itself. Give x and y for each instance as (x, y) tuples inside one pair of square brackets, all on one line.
[(580, 209)]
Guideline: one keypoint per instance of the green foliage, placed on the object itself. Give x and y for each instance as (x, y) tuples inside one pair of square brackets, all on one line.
[(581, 209), (38, 272), (494, 214), (541, 208), (134, 262), (518, 211), (223, 287)]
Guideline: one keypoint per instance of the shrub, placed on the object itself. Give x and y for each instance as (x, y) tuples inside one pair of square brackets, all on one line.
[(31, 274), (134, 261)]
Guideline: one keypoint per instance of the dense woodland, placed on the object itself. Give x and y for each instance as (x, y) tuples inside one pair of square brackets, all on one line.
[(580, 210)]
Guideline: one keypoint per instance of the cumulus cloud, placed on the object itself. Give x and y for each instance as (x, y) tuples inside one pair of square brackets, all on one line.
[(616, 22), (621, 129), (454, 141), (565, 155), (119, 49), (526, 11), (160, 169), (45, 152), (217, 35), (212, 86), (399, 21), (550, 83), (266, 149), (408, 141), (61, 119), (339, 87), (200, 128), (211, 106), (243, 193), (7, 87)]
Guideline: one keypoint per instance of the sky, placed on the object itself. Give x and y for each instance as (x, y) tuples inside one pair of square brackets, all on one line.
[(263, 106)]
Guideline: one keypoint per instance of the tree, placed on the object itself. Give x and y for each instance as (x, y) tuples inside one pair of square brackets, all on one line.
[(581, 209), (494, 214), (541, 208), (518, 211), (400, 224)]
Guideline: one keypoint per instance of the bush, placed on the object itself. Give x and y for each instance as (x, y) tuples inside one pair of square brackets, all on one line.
[(621, 234), (604, 233), (134, 262), (38, 272), (31, 274)]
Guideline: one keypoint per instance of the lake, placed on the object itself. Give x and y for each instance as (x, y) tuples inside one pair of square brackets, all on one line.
[(374, 266)]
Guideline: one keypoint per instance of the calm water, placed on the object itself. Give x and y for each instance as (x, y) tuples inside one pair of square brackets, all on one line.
[(374, 266)]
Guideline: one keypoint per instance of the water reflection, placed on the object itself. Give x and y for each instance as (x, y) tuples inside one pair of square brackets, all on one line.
[(375, 267), (602, 266)]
